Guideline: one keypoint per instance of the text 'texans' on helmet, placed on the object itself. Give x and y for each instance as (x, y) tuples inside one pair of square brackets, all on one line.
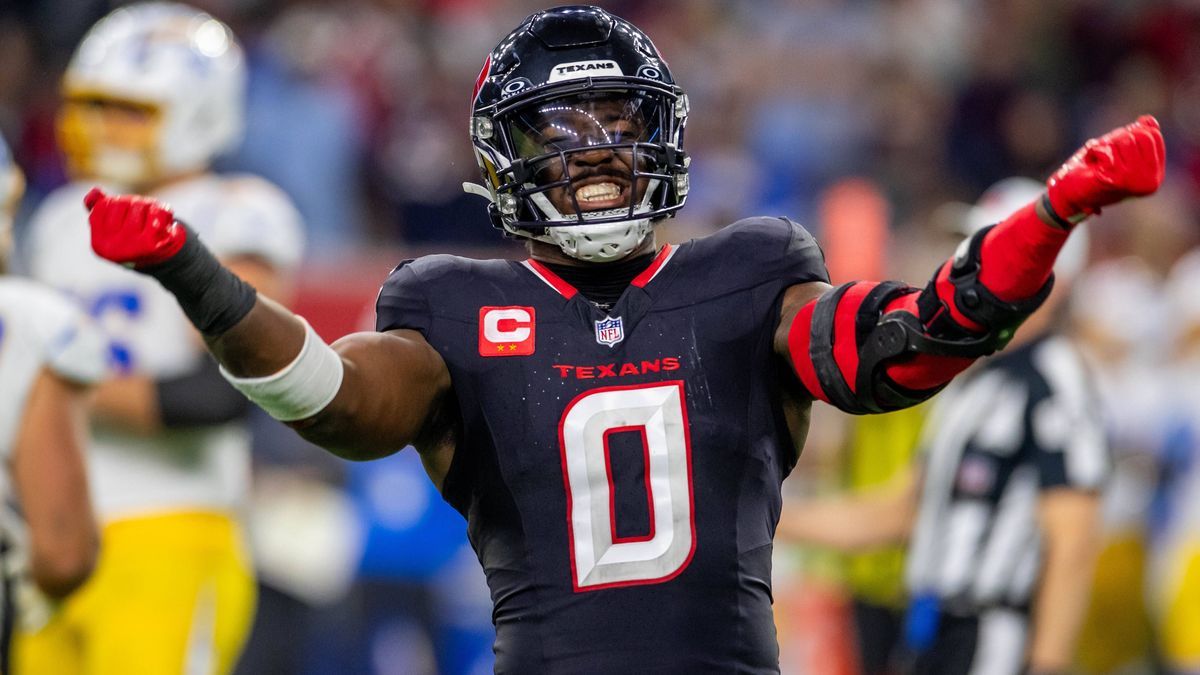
[(578, 128)]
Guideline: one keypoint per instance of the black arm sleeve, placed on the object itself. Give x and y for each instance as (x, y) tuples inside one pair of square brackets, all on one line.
[(201, 397)]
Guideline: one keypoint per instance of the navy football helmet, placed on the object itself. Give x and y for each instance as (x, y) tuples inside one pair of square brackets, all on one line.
[(578, 128)]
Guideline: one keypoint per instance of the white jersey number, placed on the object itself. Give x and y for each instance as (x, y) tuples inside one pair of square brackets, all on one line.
[(599, 558)]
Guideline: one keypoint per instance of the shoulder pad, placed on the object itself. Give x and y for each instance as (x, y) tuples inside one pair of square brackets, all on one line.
[(755, 250), (256, 218), (403, 301)]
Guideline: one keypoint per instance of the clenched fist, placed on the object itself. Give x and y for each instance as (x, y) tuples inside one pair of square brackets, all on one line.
[(1125, 162), (132, 230)]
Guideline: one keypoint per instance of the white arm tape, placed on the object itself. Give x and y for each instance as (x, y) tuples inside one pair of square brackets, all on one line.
[(303, 388)]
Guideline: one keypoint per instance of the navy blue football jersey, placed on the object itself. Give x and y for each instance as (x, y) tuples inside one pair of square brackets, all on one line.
[(620, 471)]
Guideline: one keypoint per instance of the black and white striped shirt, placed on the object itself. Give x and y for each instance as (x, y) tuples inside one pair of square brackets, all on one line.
[(1024, 422)]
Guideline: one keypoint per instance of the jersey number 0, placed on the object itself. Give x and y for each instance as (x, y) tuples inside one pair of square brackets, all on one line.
[(599, 558)]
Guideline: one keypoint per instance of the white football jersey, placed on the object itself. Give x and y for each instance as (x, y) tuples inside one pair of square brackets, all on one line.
[(184, 469)]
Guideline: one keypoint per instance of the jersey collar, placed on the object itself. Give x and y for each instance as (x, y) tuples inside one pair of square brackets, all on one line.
[(565, 289)]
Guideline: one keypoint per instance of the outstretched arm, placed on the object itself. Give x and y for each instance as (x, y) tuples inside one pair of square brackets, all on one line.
[(367, 396), (869, 347)]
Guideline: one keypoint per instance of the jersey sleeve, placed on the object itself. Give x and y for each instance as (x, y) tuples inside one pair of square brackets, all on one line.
[(1065, 433), (762, 250), (61, 214), (402, 302), (257, 218)]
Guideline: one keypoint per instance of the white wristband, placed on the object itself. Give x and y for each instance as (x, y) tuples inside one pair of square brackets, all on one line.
[(303, 388)]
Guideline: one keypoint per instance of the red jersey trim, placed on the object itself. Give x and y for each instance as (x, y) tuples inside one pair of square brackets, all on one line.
[(552, 280), (568, 291), (656, 266)]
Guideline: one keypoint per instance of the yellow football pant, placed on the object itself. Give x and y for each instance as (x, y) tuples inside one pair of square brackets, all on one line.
[(171, 595), (1116, 632), (1180, 622)]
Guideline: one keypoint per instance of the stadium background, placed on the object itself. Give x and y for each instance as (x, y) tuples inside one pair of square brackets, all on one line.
[(871, 121)]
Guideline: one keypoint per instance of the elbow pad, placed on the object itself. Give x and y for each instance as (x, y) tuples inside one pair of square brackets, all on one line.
[(962, 315), (842, 343), (839, 341)]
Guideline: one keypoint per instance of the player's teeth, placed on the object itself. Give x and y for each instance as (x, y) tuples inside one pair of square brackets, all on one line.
[(598, 192)]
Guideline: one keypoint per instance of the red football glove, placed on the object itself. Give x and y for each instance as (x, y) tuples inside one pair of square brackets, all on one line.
[(1125, 162), (132, 230)]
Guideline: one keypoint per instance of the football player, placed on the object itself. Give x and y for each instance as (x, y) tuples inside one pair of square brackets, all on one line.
[(152, 94), (50, 356), (614, 417)]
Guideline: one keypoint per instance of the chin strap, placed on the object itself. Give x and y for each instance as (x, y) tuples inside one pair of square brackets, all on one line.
[(605, 242)]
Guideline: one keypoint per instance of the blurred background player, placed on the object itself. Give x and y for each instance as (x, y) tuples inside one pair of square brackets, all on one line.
[(1134, 342), (1004, 513), (49, 357), (152, 94), (1173, 560)]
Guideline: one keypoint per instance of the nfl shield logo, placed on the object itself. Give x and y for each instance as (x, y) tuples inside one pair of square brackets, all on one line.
[(610, 331)]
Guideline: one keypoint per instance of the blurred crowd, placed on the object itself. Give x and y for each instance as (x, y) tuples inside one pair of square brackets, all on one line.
[(872, 122), (358, 109)]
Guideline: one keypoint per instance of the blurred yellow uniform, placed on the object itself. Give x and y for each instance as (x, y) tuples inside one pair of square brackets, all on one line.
[(189, 569), (1180, 620)]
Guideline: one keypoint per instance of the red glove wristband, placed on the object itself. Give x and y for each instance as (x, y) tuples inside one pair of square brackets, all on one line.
[(132, 230), (1126, 162)]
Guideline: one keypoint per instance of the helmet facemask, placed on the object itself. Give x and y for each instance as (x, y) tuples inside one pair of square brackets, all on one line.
[(588, 170), (578, 127)]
